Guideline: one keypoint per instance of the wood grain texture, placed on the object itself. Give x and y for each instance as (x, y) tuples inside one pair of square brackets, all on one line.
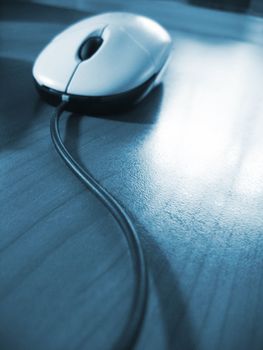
[(186, 163)]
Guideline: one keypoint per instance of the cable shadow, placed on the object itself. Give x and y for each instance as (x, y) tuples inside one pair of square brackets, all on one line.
[(173, 309), (72, 136)]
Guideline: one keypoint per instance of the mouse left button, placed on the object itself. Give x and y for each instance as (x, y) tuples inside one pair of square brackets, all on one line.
[(56, 63)]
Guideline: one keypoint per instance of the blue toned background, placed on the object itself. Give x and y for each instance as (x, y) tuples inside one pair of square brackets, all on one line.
[(187, 163), (255, 6)]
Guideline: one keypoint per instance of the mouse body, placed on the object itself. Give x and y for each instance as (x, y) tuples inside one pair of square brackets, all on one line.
[(103, 63)]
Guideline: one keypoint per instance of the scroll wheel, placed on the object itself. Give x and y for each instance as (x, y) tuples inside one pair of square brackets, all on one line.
[(89, 47)]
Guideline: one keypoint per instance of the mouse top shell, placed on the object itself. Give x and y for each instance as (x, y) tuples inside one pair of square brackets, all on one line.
[(132, 49)]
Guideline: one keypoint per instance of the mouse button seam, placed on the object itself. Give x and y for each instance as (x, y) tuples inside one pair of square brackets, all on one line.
[(71, 77), (97, 32), (103, 29), (140, 45)]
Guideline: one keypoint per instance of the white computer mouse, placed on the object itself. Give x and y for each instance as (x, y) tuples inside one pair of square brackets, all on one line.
[(105, 61)]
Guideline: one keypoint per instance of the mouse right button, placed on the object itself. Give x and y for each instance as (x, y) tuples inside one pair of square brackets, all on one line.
[(119, 65)]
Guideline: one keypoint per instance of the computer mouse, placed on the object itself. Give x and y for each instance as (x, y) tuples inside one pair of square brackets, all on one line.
[(102, 63)]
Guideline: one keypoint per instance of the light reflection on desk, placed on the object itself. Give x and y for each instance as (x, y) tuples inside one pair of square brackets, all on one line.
[(206, 138)]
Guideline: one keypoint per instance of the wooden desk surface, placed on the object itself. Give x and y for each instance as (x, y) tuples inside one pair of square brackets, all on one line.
[(187, 163)]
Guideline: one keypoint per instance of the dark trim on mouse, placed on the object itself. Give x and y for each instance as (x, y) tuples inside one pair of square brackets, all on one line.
[(97, 104)]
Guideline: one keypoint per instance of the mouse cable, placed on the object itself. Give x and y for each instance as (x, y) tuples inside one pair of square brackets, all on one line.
[(131, 331)]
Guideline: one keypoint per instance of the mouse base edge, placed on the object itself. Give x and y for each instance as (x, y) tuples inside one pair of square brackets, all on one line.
[(97, 105)]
